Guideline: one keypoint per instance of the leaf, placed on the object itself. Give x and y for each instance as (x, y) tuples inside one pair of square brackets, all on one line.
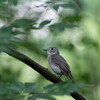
[(58, 26), (15, 87), (31, 87), (65, 5), (1, 1), (5, 35), (46, 96), (2, 89), (64, 88), (42, 24), (23, 23), (33, 97), (11, 91), (62, 26), (14, 40), (18, 32), (14, 2), (68, 5)]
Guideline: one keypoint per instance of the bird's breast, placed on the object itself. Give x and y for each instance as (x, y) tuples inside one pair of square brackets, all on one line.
[(53, 66), (55, 69)]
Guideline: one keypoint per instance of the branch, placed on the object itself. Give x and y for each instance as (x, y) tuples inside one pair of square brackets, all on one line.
[(43, 71)]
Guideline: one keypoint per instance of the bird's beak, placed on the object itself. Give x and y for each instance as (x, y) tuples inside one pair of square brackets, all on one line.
[(45, 49)]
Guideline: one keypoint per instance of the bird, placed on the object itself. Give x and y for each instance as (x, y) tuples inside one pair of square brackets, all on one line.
[(57, 63)]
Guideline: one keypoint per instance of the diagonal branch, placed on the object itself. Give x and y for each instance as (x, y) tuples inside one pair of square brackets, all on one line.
[(43, 71), (37, 67)]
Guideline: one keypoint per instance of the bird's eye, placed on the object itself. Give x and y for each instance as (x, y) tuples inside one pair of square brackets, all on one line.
[(51, 48)]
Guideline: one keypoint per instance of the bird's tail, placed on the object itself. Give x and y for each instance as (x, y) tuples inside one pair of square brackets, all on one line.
[(70, 77)]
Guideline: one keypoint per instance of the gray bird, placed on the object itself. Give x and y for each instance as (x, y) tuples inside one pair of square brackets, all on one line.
[(58, 63)]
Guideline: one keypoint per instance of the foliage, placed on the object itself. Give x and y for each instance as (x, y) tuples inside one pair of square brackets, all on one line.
[(20, 91)]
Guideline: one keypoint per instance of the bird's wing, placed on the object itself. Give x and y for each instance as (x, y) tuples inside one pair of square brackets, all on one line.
[(62, 64)]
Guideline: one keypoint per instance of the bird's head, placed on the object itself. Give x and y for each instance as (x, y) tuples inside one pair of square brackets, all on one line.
[(52, 50)]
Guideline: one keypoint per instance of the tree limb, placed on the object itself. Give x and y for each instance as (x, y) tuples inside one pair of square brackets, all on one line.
[(37, 67)]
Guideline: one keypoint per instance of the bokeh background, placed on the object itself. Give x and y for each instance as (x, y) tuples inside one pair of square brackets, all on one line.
[(73, 26)]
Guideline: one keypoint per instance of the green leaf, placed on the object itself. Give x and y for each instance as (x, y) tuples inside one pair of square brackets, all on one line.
[(1, 1), (5, 35), (23, 23), (64, 88), (42, 24), (65, 5), (14, 2), (68, 5), (62, 26), (58, 26), (18, 32), (15, 40), (33, 97), (46, 96), (31, 87), (11, 91), (15, 87)]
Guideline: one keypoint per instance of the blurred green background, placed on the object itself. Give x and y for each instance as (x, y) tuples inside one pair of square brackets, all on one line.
[(73, 26)]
